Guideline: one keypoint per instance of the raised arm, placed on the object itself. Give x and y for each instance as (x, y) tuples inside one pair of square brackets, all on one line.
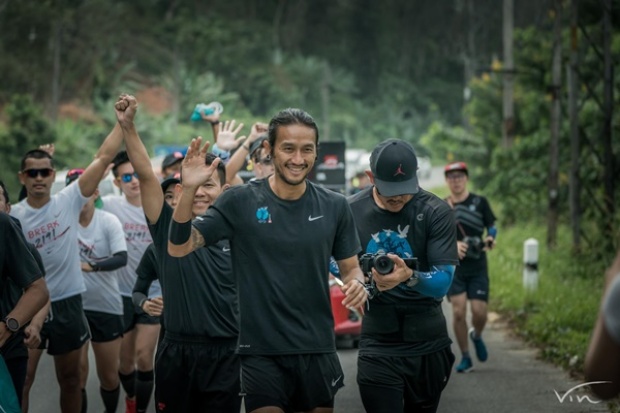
[(602, 363), (89, 181), (238, 158), (183, 238), (150, 189)]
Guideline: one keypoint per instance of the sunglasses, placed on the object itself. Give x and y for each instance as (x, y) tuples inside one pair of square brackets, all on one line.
[(33, 173), (128, 177)]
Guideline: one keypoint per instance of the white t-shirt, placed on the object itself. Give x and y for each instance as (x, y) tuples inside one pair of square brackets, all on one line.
[(137, 236), (53, 229), (101, 239), (611, 309)]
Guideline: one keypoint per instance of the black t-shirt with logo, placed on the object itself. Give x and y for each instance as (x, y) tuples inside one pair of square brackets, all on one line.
[(200, 297), (281, 251), (473, 216), (21, 265), (423, 229)]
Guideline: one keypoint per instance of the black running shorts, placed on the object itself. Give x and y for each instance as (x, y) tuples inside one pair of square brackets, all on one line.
[(104, 327), (194, 374), (65, 328), (386, 382), (293, 383)]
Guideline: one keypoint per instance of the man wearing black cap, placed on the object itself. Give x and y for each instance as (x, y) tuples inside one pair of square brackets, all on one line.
[(171, 163), (473, 215), (197, 368), (404, 354)]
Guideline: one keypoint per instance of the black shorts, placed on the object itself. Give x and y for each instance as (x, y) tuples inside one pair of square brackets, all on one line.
[(65, 328), (475, 285), (133, 315), (293, 383), (104, 327), (386, 381), (195, 374)]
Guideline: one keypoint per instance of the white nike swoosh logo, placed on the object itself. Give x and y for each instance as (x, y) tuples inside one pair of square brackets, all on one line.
[(225, 249), (334, 382), (311, 218), (84, 337), (200, 218)]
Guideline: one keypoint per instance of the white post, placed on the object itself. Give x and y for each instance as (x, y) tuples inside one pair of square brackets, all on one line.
[(530, 264)]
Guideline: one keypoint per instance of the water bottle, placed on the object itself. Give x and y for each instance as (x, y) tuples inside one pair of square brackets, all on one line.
[(206, 109)]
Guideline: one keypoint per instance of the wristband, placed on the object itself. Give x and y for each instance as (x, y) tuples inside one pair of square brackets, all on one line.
[(180, 232), (214, 123), (94, 266)]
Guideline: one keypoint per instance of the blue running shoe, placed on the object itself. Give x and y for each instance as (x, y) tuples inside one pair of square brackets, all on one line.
[(465, 366), (481, 349)]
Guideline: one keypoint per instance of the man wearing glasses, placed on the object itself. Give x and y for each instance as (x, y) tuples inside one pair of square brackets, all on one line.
[(473, 215), (141, 329), (51, 224)]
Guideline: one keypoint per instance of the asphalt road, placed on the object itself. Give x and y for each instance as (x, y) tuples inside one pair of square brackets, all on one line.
[(513, 380)]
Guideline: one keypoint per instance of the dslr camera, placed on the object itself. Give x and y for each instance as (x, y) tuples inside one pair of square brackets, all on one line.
[(382, 263), (474, 247)]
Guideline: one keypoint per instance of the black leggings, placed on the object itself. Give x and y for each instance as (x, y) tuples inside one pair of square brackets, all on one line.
[(379, 399)]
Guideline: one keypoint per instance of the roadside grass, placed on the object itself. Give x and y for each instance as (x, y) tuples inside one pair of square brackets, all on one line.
[(559, 316)]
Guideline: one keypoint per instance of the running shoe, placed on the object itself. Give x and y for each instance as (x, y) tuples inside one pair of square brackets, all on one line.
[(465, 366), (481, 349)]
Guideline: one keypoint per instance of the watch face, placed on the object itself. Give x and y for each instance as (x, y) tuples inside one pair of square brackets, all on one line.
[(11, 324)]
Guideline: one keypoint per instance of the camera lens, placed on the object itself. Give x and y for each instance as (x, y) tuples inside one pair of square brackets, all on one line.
[(384, 264)]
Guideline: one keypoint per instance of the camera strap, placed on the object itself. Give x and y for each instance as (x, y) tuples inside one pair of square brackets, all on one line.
[(458, 224)]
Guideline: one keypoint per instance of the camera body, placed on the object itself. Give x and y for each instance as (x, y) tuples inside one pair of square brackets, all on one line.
[(382, 263), (474, 247)]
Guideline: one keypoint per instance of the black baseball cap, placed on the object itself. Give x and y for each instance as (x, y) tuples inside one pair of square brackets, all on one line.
[(257, 144), (171, 159), (394, 166), (171, 179)]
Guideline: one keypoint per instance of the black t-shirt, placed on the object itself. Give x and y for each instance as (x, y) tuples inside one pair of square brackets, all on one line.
[(473, 216), (423, 229), (200, 297), (21, 265), (281, 251)]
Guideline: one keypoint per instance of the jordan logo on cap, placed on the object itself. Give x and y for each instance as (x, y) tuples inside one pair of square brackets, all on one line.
[(399, 170)]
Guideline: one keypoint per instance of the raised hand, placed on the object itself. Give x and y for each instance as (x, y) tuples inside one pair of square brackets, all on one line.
[(258, 129), (194, 170), (126, 107), (226, 139), (49, 148)]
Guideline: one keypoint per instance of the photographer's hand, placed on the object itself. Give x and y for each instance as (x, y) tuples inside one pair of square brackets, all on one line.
[(462, 249), (399, 274), (489, 243)]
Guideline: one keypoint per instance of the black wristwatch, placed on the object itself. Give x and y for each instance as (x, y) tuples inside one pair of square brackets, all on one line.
[(413, 280), (11, 324)]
